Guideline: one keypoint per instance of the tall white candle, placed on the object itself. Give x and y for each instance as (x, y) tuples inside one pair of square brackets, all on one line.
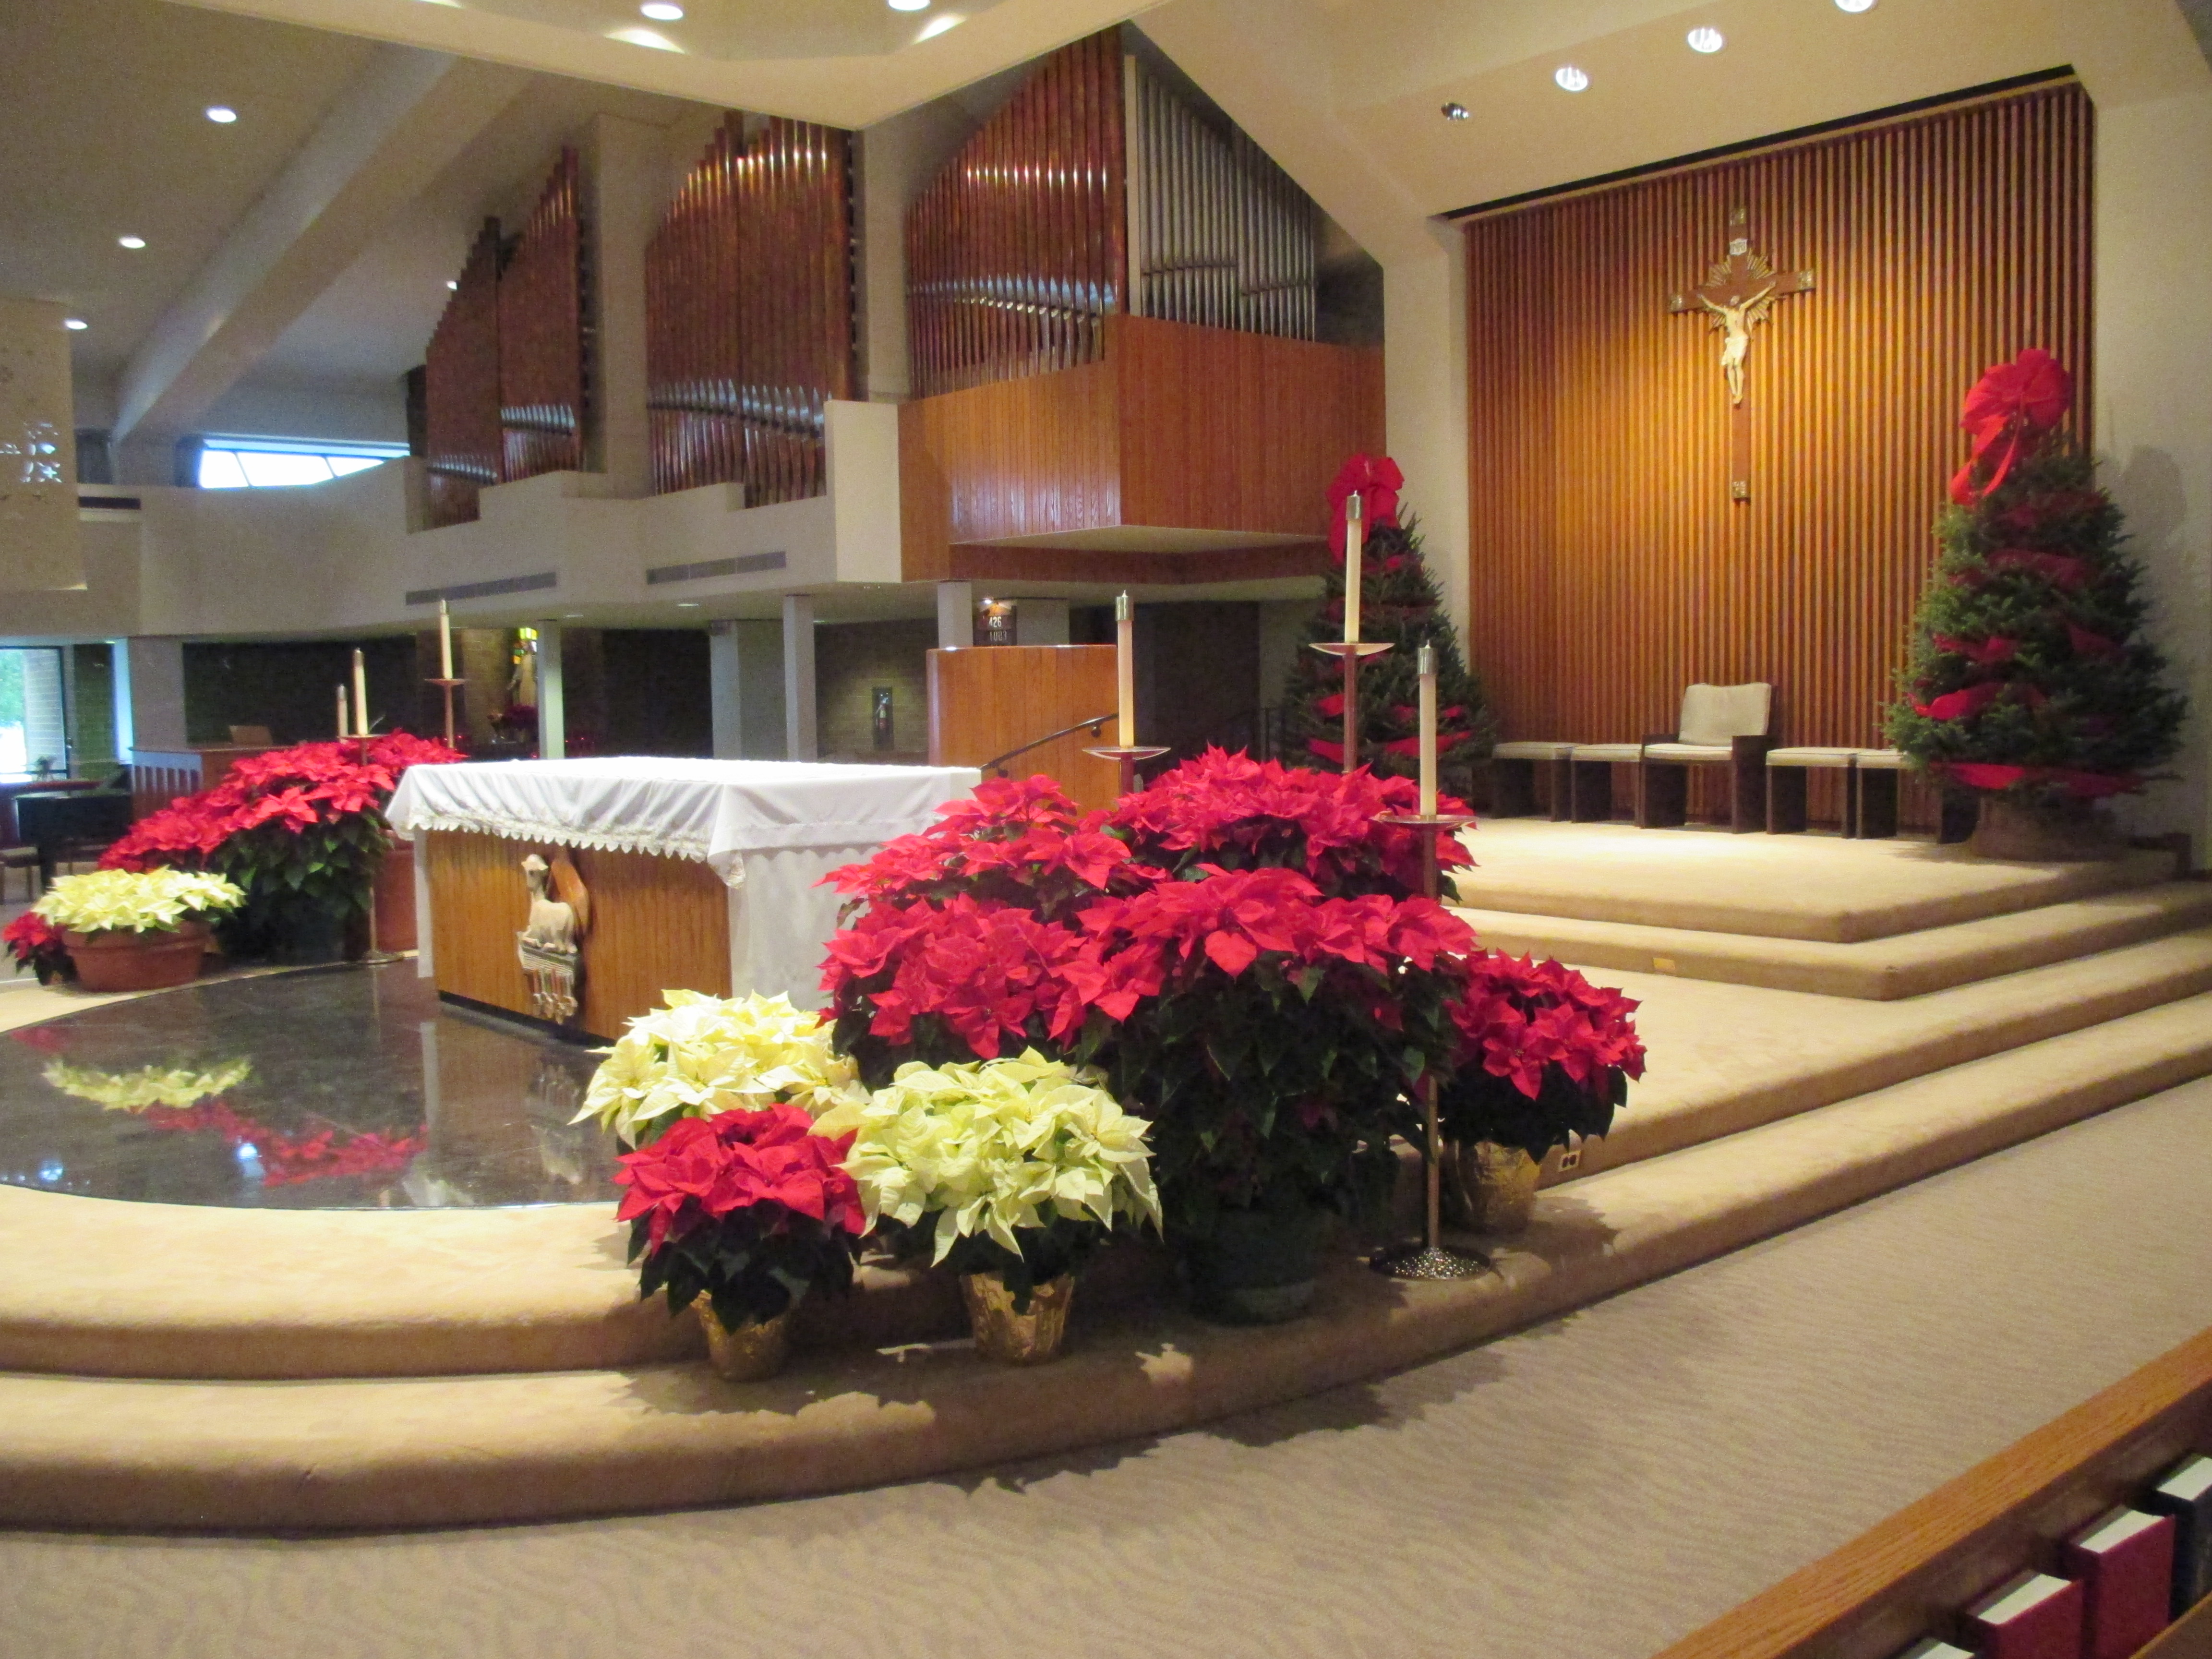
[(345, 721), (1427, 660), (360, 695), (1124, 674), (444, 641), (1352, 549)]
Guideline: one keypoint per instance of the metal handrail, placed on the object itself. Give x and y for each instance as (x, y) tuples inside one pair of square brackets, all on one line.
[(1092, 724)]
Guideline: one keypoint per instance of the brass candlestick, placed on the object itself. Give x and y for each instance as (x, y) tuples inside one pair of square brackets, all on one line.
[(1431, 1258), (1350, 655), (1127, 756), (448, 687)]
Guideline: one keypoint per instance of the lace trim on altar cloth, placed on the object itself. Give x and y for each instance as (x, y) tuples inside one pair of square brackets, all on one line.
[(564, 834)]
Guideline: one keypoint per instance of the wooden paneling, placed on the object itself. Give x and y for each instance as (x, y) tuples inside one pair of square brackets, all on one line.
[(1909, 1574), (749, 311), (1015, 250), (986, 700), (158, 776), (657, 924), (1178, 428), (542, 384), (460, 388), (1609, 567)]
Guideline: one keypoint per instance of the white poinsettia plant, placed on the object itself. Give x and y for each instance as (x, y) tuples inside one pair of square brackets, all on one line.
[(149, 1085), (1000, 1153), (697, 1055), (137, 901)]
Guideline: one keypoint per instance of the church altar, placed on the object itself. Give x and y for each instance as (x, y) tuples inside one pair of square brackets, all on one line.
[(676, 873)]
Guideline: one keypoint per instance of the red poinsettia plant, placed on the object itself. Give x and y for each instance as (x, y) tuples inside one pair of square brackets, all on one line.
[(302, 829), (37, 944), (1545, 1056), (751, 1210)]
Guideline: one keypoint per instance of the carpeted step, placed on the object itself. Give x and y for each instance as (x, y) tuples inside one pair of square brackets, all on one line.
[(1879, 969), (119, 1453)]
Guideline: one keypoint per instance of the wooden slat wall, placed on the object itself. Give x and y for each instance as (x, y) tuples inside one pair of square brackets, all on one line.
[(657, 924), (542, 376), (749, 312), (1015, 252), (1608, 567), (986, 700), (1179, 427), (462, 445)]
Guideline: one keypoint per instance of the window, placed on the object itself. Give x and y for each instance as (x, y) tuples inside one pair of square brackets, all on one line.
[(234, 463), (33, 729)]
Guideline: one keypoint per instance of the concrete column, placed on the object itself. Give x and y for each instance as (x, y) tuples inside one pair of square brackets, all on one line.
[(956, 615), (626, 184), (799, 736), (744, 666), (552, 694), (150, 695), (726, 696)]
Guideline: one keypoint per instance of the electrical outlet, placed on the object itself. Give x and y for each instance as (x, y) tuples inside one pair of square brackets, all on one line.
[(1662, 964), (1570, 1158)]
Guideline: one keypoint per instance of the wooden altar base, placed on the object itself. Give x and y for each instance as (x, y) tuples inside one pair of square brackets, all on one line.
[(656, 924)]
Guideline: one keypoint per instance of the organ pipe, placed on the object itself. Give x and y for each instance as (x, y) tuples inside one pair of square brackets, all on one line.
[(542, 350), (749, 312), (460, 388)]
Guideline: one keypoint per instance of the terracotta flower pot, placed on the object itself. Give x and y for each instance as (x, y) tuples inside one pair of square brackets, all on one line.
[(2074, 833), (1494, 1186), (138, 962), (1017, 1338), (751, 1351)]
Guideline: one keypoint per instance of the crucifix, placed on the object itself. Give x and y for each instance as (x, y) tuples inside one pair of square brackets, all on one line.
[(1736, 295)]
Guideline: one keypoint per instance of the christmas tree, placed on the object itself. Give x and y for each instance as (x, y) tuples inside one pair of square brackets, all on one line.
[(1398, 604), (2029, 677)]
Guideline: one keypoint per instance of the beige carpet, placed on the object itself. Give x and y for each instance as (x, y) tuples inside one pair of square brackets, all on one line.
[(1595, 1488)]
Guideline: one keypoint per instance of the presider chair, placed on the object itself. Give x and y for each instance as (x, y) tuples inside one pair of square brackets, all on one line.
[(1719, 726)]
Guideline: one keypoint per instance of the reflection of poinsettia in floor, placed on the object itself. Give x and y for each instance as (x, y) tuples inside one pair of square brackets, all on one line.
[(289, 1159), (149, 1085)]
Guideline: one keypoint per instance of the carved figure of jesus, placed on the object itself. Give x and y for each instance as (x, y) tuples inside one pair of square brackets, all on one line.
[(1735, 321)]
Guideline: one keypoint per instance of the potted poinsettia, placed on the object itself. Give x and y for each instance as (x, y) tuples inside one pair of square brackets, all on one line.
[(37, 944), (1019, 1168), (129, 930), (1545, 1059), (696, 1055), (742, 1215)]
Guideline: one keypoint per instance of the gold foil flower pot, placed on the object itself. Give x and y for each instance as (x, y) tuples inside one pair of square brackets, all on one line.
[(1496, 1186), (749, 1353), (1017, 1339)]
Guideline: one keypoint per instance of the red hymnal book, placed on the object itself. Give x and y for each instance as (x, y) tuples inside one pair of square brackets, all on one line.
[(2125, 1562), (2033, 1616)]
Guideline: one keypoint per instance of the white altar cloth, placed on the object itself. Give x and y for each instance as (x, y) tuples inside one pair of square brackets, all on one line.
[(771, 829)]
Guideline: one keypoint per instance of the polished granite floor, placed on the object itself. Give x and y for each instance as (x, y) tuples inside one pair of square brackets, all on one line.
[(337, 1088)]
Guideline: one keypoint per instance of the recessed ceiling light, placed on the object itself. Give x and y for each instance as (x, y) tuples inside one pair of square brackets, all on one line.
[(221, 114), (1854, 5), (910, 5), (662, 11), (1707, 40), (644, 38), (76, 324), (1454, 112), (937, 26), (687, 604), (452, 285), (130, 241), (1570, 78)]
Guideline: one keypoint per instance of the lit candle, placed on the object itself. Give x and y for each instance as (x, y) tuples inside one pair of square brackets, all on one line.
[(1425, 658), (444, 641), (345, 721), (1351, 538), (360, 695), (1125, 673)]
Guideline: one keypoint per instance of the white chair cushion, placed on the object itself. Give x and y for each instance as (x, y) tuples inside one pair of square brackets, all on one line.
[(1531, 751), (1811, 757), (1878, 760), (1618, 753), (1679, 754), (1714, 714)]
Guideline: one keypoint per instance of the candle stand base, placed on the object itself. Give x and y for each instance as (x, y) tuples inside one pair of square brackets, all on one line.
[(1431, 1261), (1128, 759)]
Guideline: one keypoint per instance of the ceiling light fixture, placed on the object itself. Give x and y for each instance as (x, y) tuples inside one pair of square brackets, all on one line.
[(130, 241), (1854, 5), (662, 11), (452, 285), (937, 26), (74, 324), (1454, 112), (221, 114), (1570, 78), (644, 38), (687, 604), (1707, 40), (910, 5)]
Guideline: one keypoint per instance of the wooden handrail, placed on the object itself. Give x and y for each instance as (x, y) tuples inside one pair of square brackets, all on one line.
[(1911, 1575), (1092, 724)]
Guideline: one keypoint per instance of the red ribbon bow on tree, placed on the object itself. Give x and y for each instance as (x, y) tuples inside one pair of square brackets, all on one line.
[(2011, 405), (1377, 479)]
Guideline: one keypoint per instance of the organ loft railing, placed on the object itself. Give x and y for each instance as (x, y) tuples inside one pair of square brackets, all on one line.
[(1099, 187), (749, 311), (506, 382)]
